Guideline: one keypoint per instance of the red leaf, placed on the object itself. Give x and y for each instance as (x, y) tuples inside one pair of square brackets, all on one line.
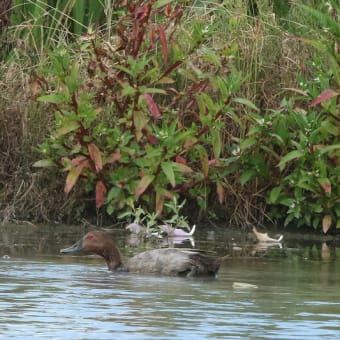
[(76, 161), (326, 223), (143, 184), (152, 38), (323, 97), (202, 131), (213, 162), (164, 43), (73, 176), (180, 160), (171, 68), (100, 193), (114, 157), (220, 192), (328, 188), (167, 10), (96, 157), (326, 185), (159, 203), (152, 139), (152, 105)]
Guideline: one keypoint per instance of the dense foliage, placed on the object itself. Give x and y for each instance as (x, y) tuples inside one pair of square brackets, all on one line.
[(161, 100)]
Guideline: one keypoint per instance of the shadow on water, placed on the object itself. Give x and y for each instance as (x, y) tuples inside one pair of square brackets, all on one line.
[(287, 291)]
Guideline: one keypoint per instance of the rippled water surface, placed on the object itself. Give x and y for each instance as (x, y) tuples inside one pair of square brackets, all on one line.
[(293, 293)]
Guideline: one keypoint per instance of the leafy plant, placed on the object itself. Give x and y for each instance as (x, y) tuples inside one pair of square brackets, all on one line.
[(139, 120), (294, 152)]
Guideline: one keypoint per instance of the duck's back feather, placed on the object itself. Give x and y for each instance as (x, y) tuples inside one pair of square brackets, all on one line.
[(174, 262)]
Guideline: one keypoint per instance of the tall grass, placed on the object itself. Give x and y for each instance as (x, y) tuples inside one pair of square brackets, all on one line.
[(45, 23)]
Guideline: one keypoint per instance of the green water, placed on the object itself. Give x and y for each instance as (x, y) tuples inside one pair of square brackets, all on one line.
[(281, 293)]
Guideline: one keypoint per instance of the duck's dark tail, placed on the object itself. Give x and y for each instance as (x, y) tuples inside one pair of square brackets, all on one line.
[(204, 265)]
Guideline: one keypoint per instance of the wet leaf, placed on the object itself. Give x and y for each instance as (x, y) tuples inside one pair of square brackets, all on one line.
[(326, 223), (143, 184), (244, 285), (323, 97), (100, 193), (96, 156), (325, 251)]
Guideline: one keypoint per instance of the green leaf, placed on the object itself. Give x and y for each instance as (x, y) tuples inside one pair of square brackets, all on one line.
[(68, 126), (168, 170), (43, 163), (52, 98), (245, 102), (139, 121), (161, 3), (289, 157), (288, 219), (182, 167), (326, 185), (274, 195), (329, 148), (151, 90), (128, 90), (247, 143), (216, 141), (247, 176), (124, 69)]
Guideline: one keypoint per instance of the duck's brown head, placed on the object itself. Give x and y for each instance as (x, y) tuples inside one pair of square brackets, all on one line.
[(100, 243)]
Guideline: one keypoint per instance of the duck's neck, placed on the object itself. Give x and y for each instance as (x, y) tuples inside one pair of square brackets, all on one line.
[(113, 258)]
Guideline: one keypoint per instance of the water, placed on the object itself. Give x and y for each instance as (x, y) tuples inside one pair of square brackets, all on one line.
[(292, 293)]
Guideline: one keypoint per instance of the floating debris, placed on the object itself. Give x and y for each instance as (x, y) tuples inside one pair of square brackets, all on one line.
[(244, 285), (263, 237)]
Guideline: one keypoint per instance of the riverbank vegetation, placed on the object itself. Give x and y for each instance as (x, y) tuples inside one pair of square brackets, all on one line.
[(231, 107)]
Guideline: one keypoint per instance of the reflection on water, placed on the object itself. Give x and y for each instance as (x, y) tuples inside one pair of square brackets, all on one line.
[(43, 294)]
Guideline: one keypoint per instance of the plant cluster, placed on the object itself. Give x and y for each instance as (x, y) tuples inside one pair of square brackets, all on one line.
[(140, 118), (145, 107), (294, 150)]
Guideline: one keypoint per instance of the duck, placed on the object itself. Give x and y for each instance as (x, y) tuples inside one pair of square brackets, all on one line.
[(163, 261)]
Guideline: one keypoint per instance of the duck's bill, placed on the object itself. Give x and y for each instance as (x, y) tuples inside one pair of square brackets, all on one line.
[(74, 248)]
